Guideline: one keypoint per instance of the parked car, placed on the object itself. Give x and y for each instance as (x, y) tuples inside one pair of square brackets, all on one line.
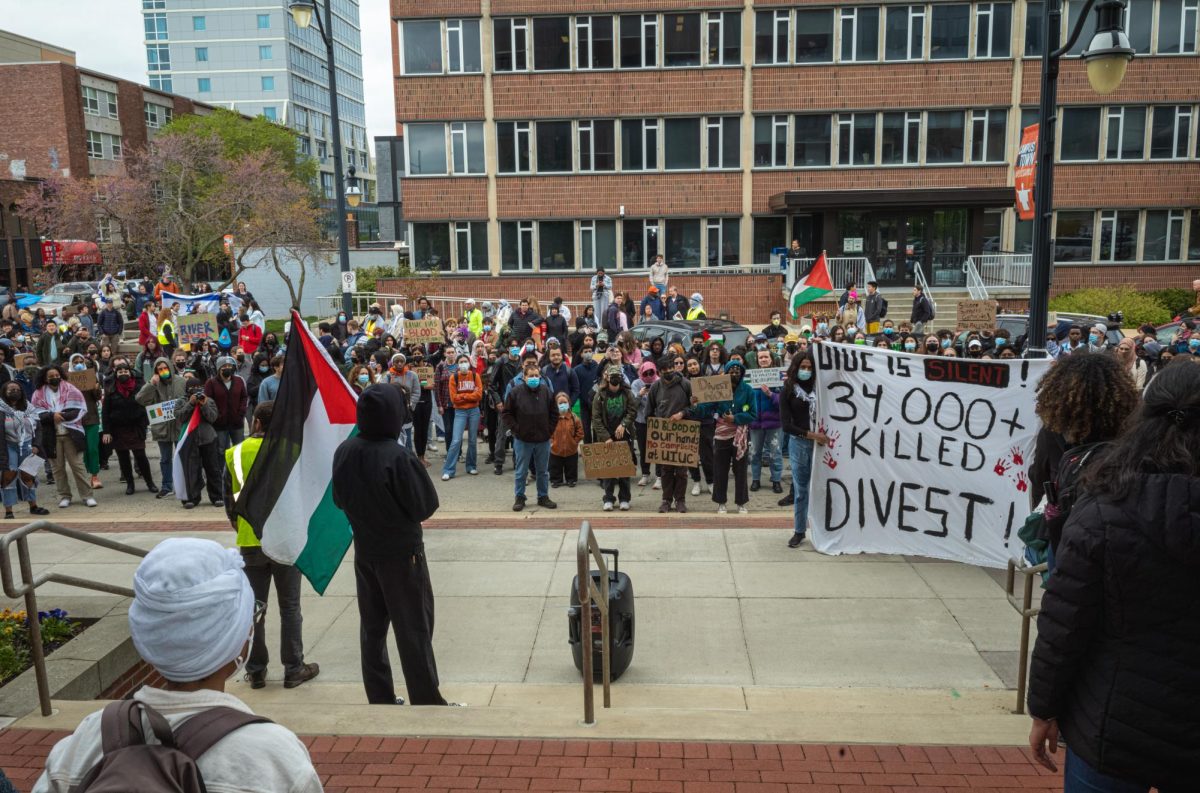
[(1166, 333), (1018, 324), (69, 293), (729, 333)]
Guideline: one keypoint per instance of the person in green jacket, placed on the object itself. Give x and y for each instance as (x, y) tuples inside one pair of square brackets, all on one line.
[(260, 569), (731, 438)]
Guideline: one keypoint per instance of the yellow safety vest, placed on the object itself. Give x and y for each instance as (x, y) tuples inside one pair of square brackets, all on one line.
[(162, 337), (696, 313), (239, 460)]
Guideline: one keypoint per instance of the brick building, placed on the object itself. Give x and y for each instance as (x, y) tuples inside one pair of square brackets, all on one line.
[(546, 137)]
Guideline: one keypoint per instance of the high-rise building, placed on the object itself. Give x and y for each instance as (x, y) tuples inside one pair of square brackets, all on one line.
[(251, 57), (546, 138)]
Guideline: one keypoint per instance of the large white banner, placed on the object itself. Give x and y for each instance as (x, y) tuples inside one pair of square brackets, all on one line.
[(927, 456)]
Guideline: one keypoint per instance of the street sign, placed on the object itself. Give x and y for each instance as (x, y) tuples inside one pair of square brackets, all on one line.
[(349, 281)]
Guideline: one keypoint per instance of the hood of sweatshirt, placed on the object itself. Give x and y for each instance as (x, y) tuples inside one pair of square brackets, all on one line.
[(380, 413)]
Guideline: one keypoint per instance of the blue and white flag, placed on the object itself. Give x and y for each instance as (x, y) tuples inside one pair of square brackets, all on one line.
[(208, 303)]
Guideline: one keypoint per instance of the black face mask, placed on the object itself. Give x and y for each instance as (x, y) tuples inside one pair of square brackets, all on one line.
[(226, 373), (53, 382), (124, 378), (735, 378)]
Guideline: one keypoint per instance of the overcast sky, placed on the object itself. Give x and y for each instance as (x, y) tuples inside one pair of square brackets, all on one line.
[(107, 37)]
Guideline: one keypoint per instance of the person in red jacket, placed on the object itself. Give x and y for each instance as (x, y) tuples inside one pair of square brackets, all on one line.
[(249, 337), (228, 392), (147, 324), (466, 393)]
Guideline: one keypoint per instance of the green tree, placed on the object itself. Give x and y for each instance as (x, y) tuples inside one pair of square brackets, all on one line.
[(240, 136)]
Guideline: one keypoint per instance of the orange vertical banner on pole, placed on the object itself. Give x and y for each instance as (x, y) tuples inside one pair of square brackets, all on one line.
[(1026, 172)]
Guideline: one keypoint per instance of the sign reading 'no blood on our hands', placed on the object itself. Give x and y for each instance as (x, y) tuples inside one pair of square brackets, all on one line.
[(926, 456)]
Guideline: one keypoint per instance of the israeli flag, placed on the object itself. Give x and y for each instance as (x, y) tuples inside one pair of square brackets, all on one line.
[(208, 303)]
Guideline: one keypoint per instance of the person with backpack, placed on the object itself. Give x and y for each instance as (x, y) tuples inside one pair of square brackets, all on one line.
[(191, 619), (922, 309), (874, 308)]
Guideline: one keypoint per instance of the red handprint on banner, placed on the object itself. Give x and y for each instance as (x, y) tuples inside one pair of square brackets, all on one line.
[(1022, 482), (833, 439), (1017, 457), (829, 461), (1001, 468)]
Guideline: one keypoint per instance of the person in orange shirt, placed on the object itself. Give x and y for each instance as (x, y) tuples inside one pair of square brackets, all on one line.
[(466, 393), (564, 444), (165, 284)]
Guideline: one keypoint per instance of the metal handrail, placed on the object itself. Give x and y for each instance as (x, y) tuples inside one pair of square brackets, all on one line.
[(30, 583), (919, 279), (1028, 611), (975, 285), (589, 597)]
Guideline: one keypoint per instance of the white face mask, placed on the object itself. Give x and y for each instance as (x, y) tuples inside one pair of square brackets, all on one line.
[(240, 661)]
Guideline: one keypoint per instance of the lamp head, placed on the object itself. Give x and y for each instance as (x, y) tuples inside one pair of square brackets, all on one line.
[(302, 12), (353, 194), (1109, 53)]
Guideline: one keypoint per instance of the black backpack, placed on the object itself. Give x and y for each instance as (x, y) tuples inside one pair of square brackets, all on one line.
[(1065, 489), (130, 763)]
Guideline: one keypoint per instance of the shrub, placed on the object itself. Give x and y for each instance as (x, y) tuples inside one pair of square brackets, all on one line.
[(1176, 301), (1138, 307), (56, 628)]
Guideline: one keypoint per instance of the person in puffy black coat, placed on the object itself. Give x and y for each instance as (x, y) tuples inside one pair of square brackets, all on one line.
[(1116, 667)]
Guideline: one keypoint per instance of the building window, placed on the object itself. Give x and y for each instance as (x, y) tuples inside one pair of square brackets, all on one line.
[(771, 36), (1033, 28), (993, 30), (264, 21), (154, 3), (556, 245), (724, 142), (1176, 27), (204, 85), (1118, 235), (723, 241), (323, 152), (264, 52), (553, 146), (639, 144), (681, 144), (681, 39), (430, 246), (1171, 132), (270, 113), (1193, 252), (1072, 9), (91, 101), (268, 83), (422, 40), (426, 149), (512, 140), (597, 145), (114, 145), (814, 36), (950, 31), (157, 116), (1073, 236), (470, 240), (511, 44), (860, 34), (682, 248), (1126, 133), (594, 42), (466, 143), (1139, 15), (944, 136), (989, 129), (639, 241), (95, 145), (158, 57), (639, 41), (99, 103), (161, 83), (724, 38), (516, 245), (202, 54), (155, 26), (1080, 132), (813, 141), (768, 233), (598, 244), (1164, 236), (901, 138), (103, 230), (198, 23), (905, 36), (551, 43), (770, 141), (856, 139)]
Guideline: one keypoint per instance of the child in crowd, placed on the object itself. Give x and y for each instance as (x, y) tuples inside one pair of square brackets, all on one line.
[(564, 445)]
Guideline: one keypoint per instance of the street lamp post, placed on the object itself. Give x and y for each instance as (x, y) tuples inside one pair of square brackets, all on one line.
[(303, 12), (1107, 57)]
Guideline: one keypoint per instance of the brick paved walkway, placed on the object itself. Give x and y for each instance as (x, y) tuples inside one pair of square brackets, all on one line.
[(541, 521), (355, 764)]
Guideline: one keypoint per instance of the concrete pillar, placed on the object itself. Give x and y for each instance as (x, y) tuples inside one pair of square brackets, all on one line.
[(491, 157)]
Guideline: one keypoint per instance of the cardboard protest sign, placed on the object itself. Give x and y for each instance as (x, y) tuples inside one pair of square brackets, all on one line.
[(771, 377), (717, 388), (425, 374), (672, 442), (161, 412), (421, 331), (191, 328), (84, 380), (926, 456), (607, 460), (977, 314), (23, 359)]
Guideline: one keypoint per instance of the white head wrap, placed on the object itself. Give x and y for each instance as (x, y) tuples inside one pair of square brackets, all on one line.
[(192, 608)]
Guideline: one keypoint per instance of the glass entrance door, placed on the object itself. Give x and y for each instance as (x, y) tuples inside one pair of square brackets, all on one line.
[(885, 250)]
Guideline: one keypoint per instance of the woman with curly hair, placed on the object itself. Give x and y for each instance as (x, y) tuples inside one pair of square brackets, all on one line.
[(1082, 400)]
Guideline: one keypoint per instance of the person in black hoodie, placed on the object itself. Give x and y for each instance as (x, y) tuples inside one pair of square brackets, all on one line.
[(386, 493), (1116, 667), (531, 413)]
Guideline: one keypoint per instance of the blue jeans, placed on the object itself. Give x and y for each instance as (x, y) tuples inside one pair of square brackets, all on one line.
[(166, 469), (800, 452), (600, 307), (539, 455), (765, 441), (227, 438), (468, 420), (18, 490), (1079, 777)]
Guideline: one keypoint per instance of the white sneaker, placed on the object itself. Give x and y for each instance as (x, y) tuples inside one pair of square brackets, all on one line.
[(743, 511), (431, 447), (91, 502), (721, 509), (608, 506), (624, 506), (445, 477), (696, 489), (642, 482), (473, 472), (66, 502), (657, 483), (708, 487)]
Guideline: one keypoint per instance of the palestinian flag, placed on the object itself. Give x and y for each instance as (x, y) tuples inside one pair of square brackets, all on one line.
[(288, 495), (813, 286), (185, 465)]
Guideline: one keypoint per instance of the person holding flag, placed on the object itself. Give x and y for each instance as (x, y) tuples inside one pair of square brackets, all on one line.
[(813, 286), (197, 456)]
